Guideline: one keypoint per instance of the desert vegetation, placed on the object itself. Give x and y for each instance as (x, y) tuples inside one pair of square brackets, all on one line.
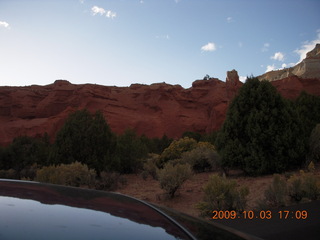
[(286, 190), (263, 134), (222, 194)]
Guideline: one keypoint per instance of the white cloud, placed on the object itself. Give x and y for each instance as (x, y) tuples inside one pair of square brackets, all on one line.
[(270, 68), (242, 78), (176, 1), (4, 24), (285, 65), (98, 10), (278, 56), (209, 47), (167, 37), (111, 14), (274, 68), (229, 19), (307, 47), (81, 1), (265, 47)]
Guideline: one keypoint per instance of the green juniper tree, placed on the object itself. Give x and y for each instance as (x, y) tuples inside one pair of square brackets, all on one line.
[(308, 109), (261, 133), (23, 152), (129, 152), (85, 138)]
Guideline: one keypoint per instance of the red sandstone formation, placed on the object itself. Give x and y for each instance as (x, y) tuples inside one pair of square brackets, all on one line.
[(153, 110), (291, 87)]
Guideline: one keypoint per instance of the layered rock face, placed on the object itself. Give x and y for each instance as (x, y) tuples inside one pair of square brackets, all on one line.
[(153, 110), (306, 69)]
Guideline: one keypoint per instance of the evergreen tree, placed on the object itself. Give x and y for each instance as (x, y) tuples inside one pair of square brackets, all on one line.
[(85, 138), (25, 151), (314, 145), (129, 151), (162, 143), (261, 133), (209, 137), (195, 135), (308, 109), (156, 145)]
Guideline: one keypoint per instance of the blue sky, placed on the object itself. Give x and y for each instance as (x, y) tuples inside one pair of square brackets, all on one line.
[(120, 42)]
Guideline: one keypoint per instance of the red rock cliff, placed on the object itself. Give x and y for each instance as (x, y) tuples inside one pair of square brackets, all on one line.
[(153, 110)]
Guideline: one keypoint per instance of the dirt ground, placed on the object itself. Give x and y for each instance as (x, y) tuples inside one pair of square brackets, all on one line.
[(191, 191)]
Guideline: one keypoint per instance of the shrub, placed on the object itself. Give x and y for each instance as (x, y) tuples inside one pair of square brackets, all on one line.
[(8, 174), (109, 181), (311, 167), (171, 177), (29, 173), (275, 195), (23, 152), (74, 174), (222, 194), (150, 166), (295, 188), (304, 186), (175, 150), (144, 175), (202, 158), (310, 185)]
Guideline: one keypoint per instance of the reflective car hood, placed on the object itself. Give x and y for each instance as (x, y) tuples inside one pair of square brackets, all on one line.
[(31, 210)]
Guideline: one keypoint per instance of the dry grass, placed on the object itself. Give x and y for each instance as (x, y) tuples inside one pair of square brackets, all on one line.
[(191, 191)]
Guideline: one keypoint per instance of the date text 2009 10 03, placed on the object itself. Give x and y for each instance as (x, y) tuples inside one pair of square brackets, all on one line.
[(268, 214)]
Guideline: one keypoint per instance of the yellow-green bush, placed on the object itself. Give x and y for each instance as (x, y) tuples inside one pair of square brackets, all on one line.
[(202, 158), (295, 188), (276, 193), (74, 174), (304, 186), (175, 150), (222, 194), (150, 166), (171, 177)]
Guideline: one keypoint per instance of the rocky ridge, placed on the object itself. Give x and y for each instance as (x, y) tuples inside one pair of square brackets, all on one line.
[(153, 110), (306, 69)]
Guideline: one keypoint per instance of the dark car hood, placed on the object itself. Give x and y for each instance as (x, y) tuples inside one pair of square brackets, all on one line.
[(31, 210)]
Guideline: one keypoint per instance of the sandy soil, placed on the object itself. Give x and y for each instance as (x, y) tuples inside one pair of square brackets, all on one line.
[(191, 191)]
